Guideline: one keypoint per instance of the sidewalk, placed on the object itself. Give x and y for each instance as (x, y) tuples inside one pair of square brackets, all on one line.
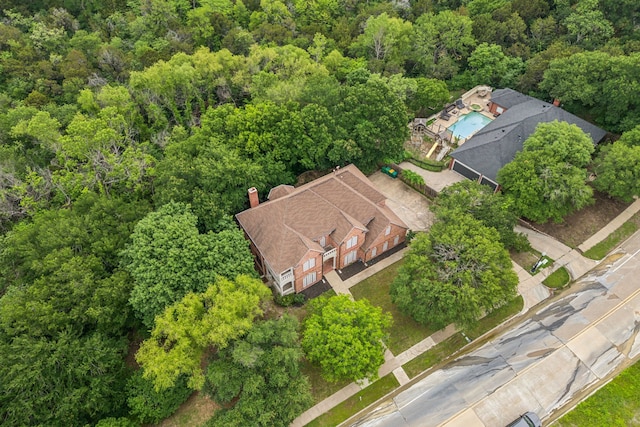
[(563, 255), (611, 227), (530, 287), (393, 364)]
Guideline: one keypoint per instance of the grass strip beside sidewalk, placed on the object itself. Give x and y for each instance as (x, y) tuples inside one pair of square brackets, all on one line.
[(449, 346), (357, 402), (557, 279), (600, 250)]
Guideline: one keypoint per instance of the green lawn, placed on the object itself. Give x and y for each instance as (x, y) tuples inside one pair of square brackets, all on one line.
[(320, 388), (405, 331), (446, 348), (601, 250), (528, 259), (434, 355), (616, 404), (357, 402), (557, 279)]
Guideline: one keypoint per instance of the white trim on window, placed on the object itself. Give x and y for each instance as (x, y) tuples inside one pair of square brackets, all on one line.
[(385, 246), (310, 263), (396, 240), (374, 252), (349, 258), (353, 240), (387, 231), (323, 241), (309, 279)]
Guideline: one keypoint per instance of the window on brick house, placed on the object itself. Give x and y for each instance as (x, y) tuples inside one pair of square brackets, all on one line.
[(309, 279), (387, 231), (352, 242), (310, 263), (396, 240)]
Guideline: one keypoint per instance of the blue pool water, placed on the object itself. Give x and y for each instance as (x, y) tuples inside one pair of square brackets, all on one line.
[(469, 124)]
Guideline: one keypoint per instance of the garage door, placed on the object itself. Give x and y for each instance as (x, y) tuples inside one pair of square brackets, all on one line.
[(465, 171), (488, 182)]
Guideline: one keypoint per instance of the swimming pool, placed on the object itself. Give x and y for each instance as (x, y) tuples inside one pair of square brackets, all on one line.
[(469, 124)]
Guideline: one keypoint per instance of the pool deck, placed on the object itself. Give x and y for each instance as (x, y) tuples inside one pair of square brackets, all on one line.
[(468, 124), (471, 97)]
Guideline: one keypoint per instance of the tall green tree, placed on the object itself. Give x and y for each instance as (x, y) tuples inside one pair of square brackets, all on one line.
[(169, 258), (372, 124), (492, 209), (186, 329), (345, 337), (149, 406), (587, 25), (441, 42), (66, 380), (454, 274), (94, 226), (618, 167), (489, 65), (581, 83), (547, 180), (210, 176), (430, 96), (261, 374), (385, 41)]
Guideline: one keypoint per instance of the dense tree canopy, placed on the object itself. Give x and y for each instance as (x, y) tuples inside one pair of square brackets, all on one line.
[(261, 374), (547, 180), (185, 329), (345, 337), (454, 274), (481, 202), (169, 258), (618, 167), (580, 83), (112, 109)]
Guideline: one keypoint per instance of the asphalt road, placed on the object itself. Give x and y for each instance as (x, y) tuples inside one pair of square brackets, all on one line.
[(541, 364)]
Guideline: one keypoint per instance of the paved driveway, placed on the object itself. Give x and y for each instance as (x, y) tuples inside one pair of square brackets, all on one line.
[(436, 180), (411, 206)]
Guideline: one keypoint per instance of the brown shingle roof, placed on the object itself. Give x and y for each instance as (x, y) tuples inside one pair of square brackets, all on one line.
[(283, 229), (280, 191)]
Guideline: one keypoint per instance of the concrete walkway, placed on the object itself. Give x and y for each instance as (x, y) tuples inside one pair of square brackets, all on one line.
[(532, 290), (563, 255), (611, 227)]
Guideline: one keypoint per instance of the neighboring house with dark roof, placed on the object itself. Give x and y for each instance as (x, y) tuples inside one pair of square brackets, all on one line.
[(487, 151), (302, 233)]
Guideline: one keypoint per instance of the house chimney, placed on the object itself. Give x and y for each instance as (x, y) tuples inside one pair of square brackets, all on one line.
[(556, 102), (253, 197)]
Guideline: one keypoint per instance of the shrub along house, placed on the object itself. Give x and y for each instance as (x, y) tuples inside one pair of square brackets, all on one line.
[(300, 234), (517, 115)]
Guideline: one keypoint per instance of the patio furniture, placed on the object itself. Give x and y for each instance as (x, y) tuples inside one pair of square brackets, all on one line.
[(444, 116), (460, 104)]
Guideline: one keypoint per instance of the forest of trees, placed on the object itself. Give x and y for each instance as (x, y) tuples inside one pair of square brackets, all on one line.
[(131, 129)]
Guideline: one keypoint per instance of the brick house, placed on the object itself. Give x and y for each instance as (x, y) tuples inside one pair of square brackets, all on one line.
[(300, 234)]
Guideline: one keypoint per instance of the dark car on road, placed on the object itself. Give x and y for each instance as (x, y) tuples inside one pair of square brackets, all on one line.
[(526, 420)]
